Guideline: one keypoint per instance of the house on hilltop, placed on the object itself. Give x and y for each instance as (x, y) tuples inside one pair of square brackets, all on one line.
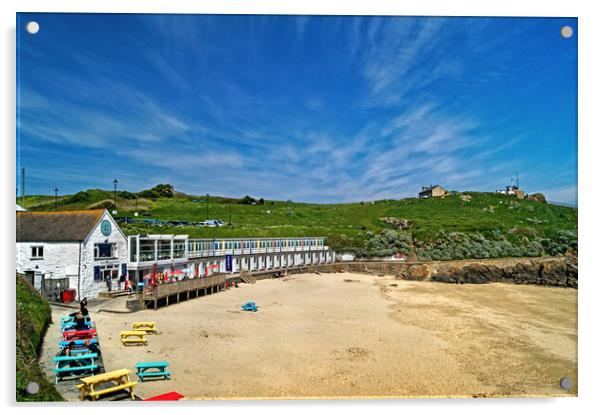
[(513, 190), (433, 191)]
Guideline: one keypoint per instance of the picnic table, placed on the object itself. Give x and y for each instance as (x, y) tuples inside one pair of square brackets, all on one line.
[(133, 337), (148, 326), (79, 334), (78, 343), (72, 364), (152, 370), (71, 319), (71, 325), (120, 378)]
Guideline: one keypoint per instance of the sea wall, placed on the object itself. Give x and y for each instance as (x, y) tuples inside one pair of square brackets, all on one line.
[(553, 271)]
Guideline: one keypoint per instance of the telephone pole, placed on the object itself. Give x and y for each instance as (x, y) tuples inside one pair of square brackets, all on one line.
[(56, 193)]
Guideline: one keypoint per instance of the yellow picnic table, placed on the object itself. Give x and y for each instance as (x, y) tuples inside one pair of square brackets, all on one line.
[(133, 336), (145, 325), (121, 377)]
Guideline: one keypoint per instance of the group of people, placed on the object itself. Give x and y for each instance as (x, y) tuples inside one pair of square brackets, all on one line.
[(80, 318), (281, 274)]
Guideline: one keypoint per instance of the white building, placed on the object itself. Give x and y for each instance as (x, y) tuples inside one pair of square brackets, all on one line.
[(82, 250)]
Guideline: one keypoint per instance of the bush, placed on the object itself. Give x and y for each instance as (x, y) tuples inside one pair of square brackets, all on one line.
[(78, 197), (127, 195), (33, 317), (160, 190), (459, 245), (386, 243), (247, 200)]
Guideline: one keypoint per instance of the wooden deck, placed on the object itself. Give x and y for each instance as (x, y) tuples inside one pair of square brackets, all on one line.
[(174, 292)]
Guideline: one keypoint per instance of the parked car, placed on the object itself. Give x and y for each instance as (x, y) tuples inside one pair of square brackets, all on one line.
[(212, 223)]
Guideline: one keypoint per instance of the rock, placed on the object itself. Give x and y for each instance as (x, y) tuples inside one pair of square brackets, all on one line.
[(417, 272), (537, 197), (397, 223), (525, 274)]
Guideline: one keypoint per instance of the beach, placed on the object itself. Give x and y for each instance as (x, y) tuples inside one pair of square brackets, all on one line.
[(354, 335)]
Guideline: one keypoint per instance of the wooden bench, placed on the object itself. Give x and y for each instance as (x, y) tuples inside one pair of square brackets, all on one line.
[(148, 326), (64, 364), (121, 377), (133, 337), (79, 334), (152, 370)]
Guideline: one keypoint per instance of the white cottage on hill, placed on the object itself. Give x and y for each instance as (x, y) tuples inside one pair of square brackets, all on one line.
[(83, 250)]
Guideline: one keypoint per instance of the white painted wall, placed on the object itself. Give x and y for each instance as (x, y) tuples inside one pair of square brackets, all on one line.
[(59, 259), (89, 287)]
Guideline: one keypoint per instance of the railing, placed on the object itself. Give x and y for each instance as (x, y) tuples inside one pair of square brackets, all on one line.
[(170, 288)]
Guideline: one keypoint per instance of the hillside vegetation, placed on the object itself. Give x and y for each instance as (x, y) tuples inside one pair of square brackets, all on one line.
[(486, 225), (33, 316)]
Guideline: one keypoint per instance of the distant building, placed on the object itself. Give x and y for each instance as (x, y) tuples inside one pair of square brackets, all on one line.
[(513, 190), (433, 191)]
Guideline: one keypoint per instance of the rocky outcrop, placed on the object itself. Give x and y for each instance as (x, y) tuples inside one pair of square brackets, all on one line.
[(537, 197), (417, 272), (559, 272), (401, 224)]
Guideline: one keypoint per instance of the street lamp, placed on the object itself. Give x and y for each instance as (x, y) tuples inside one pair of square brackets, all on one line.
[(115, 194), (56, 192)]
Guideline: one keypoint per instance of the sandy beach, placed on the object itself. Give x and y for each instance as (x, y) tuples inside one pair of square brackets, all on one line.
[(351, 335)]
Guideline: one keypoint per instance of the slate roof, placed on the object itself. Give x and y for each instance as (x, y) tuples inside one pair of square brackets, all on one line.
[(56, 226)]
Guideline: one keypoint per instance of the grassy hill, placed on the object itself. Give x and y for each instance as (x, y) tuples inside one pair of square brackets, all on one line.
[(33, 316), (487, 225)]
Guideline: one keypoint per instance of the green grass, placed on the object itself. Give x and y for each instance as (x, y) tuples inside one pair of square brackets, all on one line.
[(33, 317), (345, 225)]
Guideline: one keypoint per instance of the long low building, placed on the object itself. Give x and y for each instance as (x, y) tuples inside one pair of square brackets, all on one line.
[(198, 257), (87, 251)]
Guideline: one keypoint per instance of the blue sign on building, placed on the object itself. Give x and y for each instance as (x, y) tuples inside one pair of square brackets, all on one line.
[(228, 262)]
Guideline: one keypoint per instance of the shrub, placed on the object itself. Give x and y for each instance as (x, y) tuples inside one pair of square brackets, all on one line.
[(247, 200), (160, 190), (82, 196)]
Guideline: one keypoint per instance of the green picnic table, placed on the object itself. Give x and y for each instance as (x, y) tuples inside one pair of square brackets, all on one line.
[(152, 370)]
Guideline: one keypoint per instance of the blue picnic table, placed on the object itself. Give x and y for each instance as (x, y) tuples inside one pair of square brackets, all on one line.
[(78, 342), (80, 363), (71, 326)]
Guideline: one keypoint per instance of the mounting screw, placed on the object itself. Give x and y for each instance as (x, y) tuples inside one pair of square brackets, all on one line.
[(566, 32), (566, 383), (32, 388), (32, 27)]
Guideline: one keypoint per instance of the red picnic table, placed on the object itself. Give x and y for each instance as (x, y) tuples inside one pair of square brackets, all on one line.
[(79, 335), (169, 396)]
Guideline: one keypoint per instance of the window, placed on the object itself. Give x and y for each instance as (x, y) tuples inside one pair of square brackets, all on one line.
[(37, 252), (104, 251)]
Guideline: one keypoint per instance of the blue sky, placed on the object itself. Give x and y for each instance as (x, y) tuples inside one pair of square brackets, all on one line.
[(309, 108)]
